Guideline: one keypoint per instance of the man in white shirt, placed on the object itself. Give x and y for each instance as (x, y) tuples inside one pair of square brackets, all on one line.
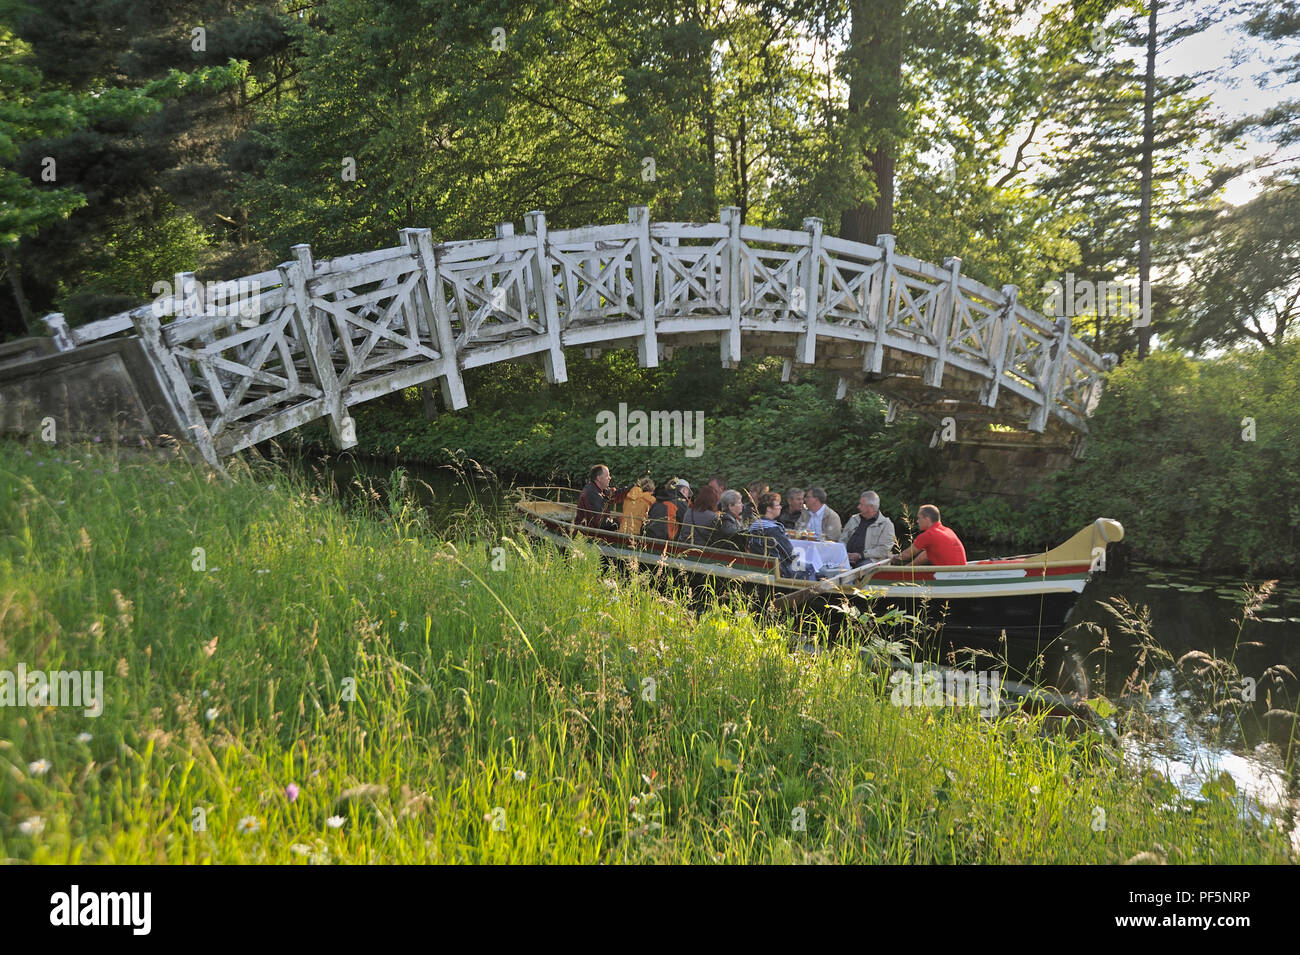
[(819, 518)]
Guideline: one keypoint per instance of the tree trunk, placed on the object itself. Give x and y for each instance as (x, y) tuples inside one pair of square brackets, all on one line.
[(876, 46), (710, 124), (16, 283), (870, 219), (1148, 150)]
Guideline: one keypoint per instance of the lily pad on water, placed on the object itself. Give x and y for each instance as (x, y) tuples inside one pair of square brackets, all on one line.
[(1159, 587)]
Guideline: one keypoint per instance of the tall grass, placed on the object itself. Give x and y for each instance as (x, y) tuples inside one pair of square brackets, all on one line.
[(341, 685)]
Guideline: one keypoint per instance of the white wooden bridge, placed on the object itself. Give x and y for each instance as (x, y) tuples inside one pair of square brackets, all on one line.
[(313, 338)]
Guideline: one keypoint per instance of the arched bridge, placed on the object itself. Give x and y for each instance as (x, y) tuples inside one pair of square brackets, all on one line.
[(313, 338)]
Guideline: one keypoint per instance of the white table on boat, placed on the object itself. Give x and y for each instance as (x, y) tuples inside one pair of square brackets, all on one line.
[(819, 554)]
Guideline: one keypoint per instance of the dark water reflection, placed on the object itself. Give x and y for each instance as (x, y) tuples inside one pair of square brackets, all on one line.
[(1194, 726)]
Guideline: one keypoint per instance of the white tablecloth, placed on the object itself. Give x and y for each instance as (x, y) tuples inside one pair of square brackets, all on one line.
[(819, 554)]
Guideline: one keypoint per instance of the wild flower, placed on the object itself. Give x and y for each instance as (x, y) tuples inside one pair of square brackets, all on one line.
[(520, 775), (39, 767), (210, 713), (84, 737), (335, 822), (249, 824), (291, 791), (32, 826)]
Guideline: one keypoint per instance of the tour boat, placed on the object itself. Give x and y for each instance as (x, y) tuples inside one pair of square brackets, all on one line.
[(1027, 596)]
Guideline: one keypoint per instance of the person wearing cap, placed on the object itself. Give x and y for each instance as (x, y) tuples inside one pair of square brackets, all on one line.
[(663, 521)]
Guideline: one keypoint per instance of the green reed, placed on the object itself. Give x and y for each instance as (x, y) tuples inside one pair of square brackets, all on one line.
[(291, 680)]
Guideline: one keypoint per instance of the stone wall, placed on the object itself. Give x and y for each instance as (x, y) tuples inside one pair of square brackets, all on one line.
[(1002, 470), (102, 390)]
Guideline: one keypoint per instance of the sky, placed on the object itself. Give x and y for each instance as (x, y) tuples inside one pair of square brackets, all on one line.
[(1242, 81)]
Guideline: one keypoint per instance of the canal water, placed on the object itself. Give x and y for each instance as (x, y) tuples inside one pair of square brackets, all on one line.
[(1202, 686), (1206, 687)]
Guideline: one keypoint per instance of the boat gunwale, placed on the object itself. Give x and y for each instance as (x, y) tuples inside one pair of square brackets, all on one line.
[(988, 566)]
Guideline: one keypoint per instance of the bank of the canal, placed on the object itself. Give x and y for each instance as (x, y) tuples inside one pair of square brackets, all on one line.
[(344, 684), (1189, 715)]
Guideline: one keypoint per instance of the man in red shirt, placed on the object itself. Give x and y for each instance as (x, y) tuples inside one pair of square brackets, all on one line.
[(935, 544)]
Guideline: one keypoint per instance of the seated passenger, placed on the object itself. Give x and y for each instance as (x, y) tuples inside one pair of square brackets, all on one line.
[(663, 521), (818, 518), (595, 499), (753, 493), (701, 512), (935, 544), (869, 535), (793, 508), (727, 529), (768, 537), (636, 505)]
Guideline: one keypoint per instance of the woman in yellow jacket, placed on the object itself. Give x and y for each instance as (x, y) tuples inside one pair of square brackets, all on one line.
[(636, 506)]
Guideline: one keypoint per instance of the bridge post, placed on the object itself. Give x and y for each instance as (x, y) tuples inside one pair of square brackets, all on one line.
[(1002, 341), (185, 295), (1049, 379), (643, 286), (437, 324), (58, 326), (943, 320), (880, 306), (314, 335), (175, 388), (805, 347), (557, 372), (731, 337)]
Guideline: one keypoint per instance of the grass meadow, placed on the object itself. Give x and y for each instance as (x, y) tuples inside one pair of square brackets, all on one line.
[(289, 679)]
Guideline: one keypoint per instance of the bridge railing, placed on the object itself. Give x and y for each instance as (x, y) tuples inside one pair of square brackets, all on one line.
[(308, 340)]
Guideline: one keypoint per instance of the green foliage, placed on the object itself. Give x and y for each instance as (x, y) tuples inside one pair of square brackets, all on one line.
[(755, 428), (28, 112), (134, 258), (1246, 283), (1167, 458)]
